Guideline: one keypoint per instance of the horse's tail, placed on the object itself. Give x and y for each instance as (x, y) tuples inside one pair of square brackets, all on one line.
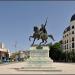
[(51, 36)]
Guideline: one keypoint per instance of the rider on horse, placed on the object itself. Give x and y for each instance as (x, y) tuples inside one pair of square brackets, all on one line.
[(43, 29), (38, 31), (41, 33)]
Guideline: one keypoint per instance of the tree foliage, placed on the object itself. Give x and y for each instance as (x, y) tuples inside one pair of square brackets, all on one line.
[(56, 52)]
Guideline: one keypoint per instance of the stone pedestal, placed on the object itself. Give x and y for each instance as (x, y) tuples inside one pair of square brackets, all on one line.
[(39, 57), (39, 61)]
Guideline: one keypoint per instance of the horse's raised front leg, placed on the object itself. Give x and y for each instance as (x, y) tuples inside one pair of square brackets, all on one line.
[(30, 38), (33, 42)]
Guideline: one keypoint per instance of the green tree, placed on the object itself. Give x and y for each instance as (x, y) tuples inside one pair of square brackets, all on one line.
[(56, 52)]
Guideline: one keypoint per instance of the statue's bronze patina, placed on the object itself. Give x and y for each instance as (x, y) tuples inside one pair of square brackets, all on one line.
[(41, 34)]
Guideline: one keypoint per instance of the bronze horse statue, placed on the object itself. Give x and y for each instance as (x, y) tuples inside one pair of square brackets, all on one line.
[(40, 35)]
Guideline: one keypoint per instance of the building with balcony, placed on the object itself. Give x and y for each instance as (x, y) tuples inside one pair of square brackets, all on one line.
[(68, 41)]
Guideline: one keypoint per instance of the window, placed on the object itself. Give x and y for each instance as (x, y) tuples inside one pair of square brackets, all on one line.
[(67, 46), (67, 41), (72, 27), (72, 38), (67, 34), (72, 45), (72, 32)]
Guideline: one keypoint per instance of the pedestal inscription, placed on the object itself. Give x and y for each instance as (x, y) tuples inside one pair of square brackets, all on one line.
[(39, 57)]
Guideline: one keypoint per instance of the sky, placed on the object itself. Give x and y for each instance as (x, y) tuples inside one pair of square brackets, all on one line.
[(17, 19)]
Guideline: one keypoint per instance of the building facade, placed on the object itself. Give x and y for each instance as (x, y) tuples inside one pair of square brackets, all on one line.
[(4, 54), (68, 41), (20, 55)]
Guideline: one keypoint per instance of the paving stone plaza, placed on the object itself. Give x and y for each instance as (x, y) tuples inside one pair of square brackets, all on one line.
[(64, 68), (36, 65)]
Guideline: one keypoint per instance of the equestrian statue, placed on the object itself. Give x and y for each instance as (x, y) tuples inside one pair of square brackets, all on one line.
[(40, 33)]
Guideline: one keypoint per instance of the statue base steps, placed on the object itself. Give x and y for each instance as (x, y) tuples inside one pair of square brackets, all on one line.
[(39, 60)]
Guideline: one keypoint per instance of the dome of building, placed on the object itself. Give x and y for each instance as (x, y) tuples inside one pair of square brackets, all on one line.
[(72, 18)]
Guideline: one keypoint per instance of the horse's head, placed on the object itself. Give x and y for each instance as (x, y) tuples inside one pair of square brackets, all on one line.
[(35, 29)]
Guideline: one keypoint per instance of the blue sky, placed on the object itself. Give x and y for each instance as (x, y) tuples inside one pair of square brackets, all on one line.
[(17, 19)]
